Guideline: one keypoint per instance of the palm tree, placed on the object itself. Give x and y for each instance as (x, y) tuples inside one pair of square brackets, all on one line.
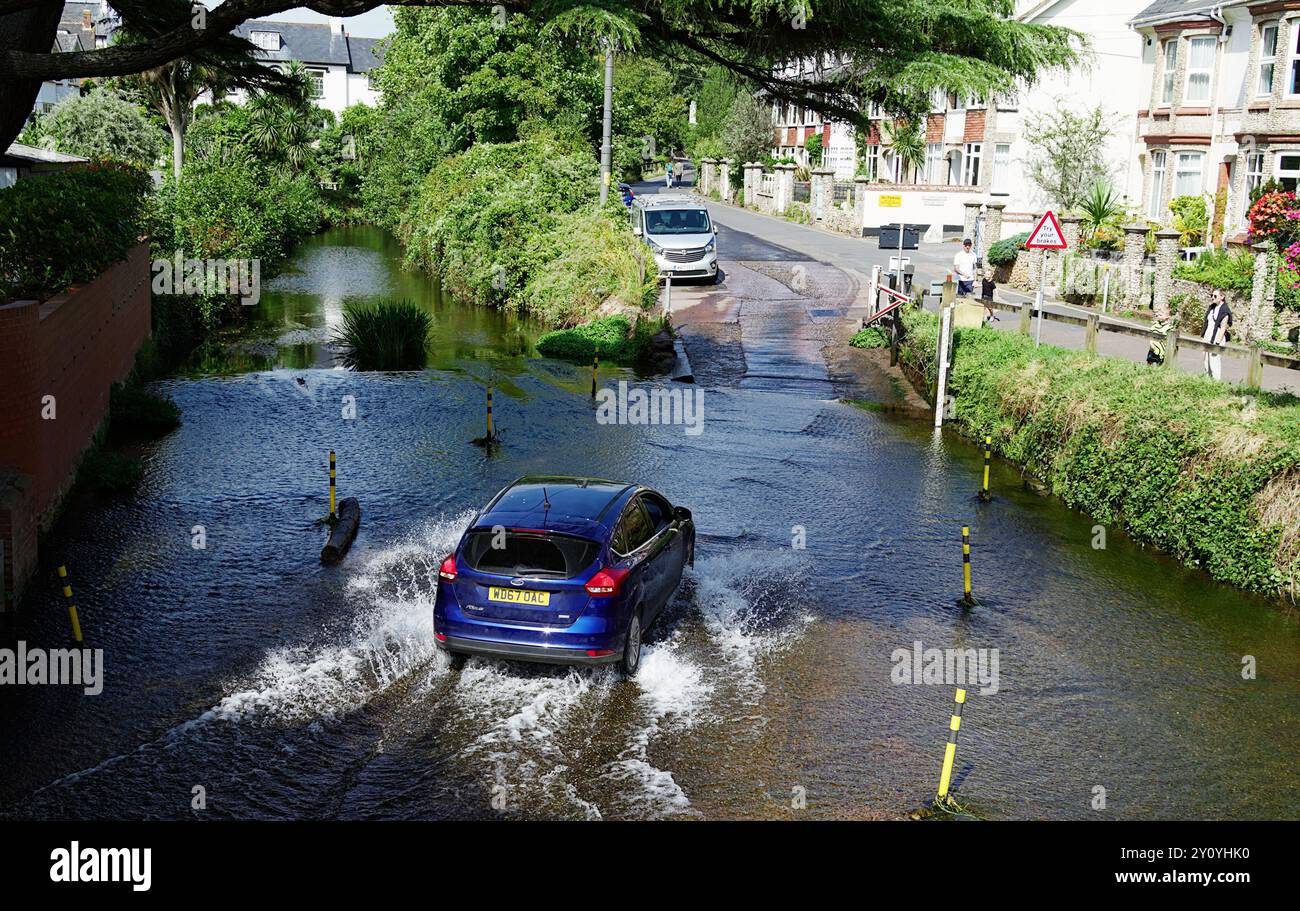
[(283, 126), (906, 142), (172, 89)]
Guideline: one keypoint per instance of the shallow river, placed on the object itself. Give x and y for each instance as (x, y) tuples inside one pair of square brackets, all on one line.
[(285, 689)]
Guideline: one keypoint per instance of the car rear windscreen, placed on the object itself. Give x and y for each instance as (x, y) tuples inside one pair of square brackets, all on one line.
[(516, 554)]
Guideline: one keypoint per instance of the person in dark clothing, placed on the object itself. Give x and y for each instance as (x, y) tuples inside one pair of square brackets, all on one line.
[(987, 287)]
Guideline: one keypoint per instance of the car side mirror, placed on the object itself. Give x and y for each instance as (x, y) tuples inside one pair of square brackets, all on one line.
[(681, 514)]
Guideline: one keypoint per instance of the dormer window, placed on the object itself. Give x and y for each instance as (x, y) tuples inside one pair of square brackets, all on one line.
[(267, 41)]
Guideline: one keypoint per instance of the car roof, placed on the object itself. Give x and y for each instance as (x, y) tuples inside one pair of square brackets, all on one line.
[(577, 506), (669, 201)]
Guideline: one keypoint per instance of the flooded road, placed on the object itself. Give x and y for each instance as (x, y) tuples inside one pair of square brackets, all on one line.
[(285, 689)]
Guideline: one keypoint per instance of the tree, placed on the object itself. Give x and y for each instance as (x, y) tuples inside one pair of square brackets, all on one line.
[(101, 124), (896, 52), (1068, 153), (747, 131), (906, 142)]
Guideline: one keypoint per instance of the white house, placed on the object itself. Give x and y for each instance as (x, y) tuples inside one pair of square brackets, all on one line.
[(341, 65)]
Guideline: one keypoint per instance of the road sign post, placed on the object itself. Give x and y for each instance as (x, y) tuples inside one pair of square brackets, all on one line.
[(1046, 236)]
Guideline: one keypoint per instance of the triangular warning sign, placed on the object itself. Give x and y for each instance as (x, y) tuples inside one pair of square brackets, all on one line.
[(1047, 234)]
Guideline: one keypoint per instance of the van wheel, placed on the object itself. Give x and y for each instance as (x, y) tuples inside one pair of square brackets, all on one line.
[(631, 662)]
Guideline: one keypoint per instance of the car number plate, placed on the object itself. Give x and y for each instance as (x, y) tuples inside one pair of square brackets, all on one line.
[(519, 596)]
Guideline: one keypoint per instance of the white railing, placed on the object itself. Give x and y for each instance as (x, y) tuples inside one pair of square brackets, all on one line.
[(767, 186)]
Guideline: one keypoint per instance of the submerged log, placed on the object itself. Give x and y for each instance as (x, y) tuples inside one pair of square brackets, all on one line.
[(345, 529)]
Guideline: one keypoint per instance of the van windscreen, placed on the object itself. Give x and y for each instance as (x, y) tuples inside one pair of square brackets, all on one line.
[(519, 554), (677, 221)]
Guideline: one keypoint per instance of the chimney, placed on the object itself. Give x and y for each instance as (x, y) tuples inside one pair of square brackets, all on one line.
[(336, 26)]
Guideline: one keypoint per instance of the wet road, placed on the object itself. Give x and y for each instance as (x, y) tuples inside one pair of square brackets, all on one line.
[(288, 690)]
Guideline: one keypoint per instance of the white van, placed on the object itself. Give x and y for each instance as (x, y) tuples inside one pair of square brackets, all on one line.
[(679, 232)]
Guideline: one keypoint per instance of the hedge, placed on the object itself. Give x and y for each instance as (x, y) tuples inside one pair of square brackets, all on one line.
[(1180, 461), (66, 228)]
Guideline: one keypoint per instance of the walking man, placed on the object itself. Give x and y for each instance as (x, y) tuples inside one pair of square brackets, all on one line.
[(668, 176), (1218, 320), (963, 265)]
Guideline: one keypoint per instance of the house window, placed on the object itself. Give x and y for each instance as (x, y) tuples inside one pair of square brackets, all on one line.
[(1254, 172), (873, 161), (1170, 67), (1287, 171), (954, 101), (1187, 174), (1156, 206), (971, 164), (1200, 66), (936, 171), (1267, 59), (316, 81), (372, 80), (1292, 87), (267, 41), (1002, 166)]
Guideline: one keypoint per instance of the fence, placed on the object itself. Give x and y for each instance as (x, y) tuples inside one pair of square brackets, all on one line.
[(803, 191)]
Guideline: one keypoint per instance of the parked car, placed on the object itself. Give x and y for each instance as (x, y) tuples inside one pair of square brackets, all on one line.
[(679, 233), (565, 571)]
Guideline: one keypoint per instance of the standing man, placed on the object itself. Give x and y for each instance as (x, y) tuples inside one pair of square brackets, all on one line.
[(1218, 320), (963, 266)]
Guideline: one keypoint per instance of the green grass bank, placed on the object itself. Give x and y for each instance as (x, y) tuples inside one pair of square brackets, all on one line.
[(1200, 469)]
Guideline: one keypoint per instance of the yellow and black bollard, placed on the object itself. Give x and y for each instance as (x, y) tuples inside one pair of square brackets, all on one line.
[(333, 495), (966, 599), (490, 435), (72, 605), (985, 496), (595, 369), (950, 751)]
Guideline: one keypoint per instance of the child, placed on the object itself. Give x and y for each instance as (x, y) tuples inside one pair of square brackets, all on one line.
[(987, 286)]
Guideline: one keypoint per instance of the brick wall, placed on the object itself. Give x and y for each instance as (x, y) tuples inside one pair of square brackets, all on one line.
[(974, 126), (72, 347), (934, 128)]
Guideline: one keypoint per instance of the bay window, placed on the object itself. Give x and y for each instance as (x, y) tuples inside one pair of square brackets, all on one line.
[(1200, 67), (1170, 68), (1187, 174), (1267, 59), (1157, 200)]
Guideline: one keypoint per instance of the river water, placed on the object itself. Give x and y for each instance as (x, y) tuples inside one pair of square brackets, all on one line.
[(285, 689)]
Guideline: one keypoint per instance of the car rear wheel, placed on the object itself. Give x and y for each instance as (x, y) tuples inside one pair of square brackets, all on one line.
[(631, 662), (458, 660)]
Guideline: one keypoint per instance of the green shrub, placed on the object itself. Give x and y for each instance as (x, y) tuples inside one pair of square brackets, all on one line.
[(585, 259), (1172, 457), (387, 335), (609, 335), (476, 213), (136, 413), (871, 337), (1005, 251), (1190, 219), (235, 210), (1221, 269), (66, 228), (109, 472)]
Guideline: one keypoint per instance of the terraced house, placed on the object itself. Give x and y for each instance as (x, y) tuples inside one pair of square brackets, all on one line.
[(1223, 111)]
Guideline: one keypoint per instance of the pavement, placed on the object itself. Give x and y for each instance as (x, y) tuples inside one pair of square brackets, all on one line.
[(746, 237)]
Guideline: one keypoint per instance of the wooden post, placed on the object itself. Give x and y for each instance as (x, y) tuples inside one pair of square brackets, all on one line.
[(893, 323), (1090, 337), (1254, 368), (945, 345), (1026, 314), (1171, 348)]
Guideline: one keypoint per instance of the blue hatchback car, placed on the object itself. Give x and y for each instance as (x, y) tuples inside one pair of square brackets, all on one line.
[(563, 570)]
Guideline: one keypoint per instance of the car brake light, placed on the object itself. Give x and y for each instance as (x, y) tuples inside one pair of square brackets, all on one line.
[(448, 568), (599, 652), (606, 582), (441, 637)]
